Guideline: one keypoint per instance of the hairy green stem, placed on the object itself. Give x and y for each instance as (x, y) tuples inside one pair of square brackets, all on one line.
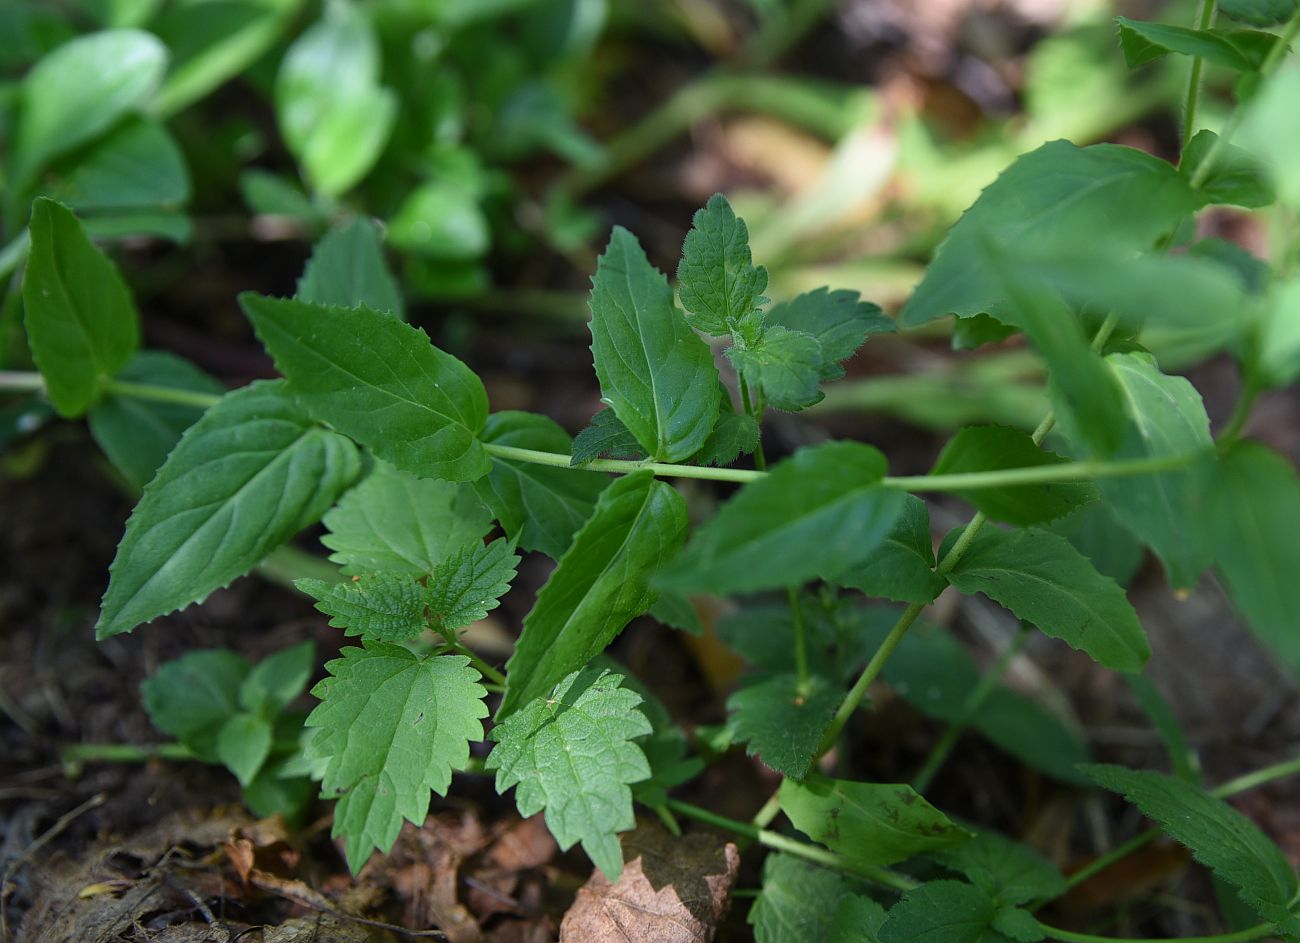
[(1257, 932), (1204, 17)]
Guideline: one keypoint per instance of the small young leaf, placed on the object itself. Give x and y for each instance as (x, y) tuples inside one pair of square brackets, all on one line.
[(1006, 870), (572, 754), (782, 725), (1237, 178), (393, 725), (398, 524), (193, 696), (1044, 580), (1220, 837), (799, 902), (81, 322), (243, 744), (784, 365), (382, 607), (838, 319), (278, 679), (817, 513), (870, 823), (347, 270), (379, 381), (993, 448), (902, 568), (601, 584), (470, 583), (944, 912), (720, 287), (655, 372), (540, 508), (734, 434), (605, 437), (1143, 42), (242, 480)]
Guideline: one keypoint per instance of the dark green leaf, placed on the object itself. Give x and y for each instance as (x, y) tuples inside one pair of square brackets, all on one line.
[(734, 434), (605, 437), (720, 287), (994, 448), (571, 752), (978, 330), (1097, 535), (943, 912), (780, 724), (382, 607), (799, 901), (137, 165), (1006, 870), (655, 372), (470, 583), (858, 919), (82, 325), (784, 365), (1143, 42), (243, 744), (1220, 837), (817, 513), (347, 270), (1236, 177), (838, 319), (902, 567), (1259, 12), (600, 584), (193, 696), (870, 823), (678, 612), (242, 480), (379, 381)]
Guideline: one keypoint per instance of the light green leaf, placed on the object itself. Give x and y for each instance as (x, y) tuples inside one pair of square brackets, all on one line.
[(601, 584), (441, 220), (1254, 516), (1236, 176), (781, 724), (540, 508), (393, 726), (268, 194), (82, 325), (571, 753), (720, 287), (870, 823), (379, 381), (1005, 870), (243, 744), (799, 901), (840, 322), (654, 371), (136, 165), (1259, 12), (1056, 199), (994, 448), (80, 90), (1243, 50), (347, 270), (1279, 343), (817, 513), (470, 583), (605, 437), (1270, 129), (396, 523), (1219, 836), (857, 920), (785, 365), (193, 696), (902, 567), (278, 679), (382, 607), (242, 480), (943, 912), (1044, 580), (137, 434)]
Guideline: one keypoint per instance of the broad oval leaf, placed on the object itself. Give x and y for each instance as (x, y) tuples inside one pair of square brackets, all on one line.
[(601, 584), (192, 696), (654, 370), (380, 382), (242, 480), (816, 514)]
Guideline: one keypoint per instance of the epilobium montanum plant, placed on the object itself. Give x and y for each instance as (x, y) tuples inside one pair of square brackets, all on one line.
[(390, 442)]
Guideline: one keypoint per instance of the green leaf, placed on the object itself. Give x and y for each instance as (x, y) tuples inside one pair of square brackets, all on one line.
[(1270, 129), (785, 365), (137, 434), (1044, 580), (78, 91), (1236, 177), (470, 583), (799, 900), (720, 287), (333, 113), (1095, 533), (1004, 869), (665, 749), (1017, 924), (242, 480), (347, 270), (1165, 418), (379, 381), (902, 567), (817, 513), (733, 434), (383, 607), (869, 823), (857, 920), (393, 725), (763, 634), (571, 753), (994, 448), (441, 220), (1259, 12), (605, 437), (268, 194), (600, 584), (1143, 42), (82, 325), (678, 612), (780, 724), (1056, 199), (978, 330), (1254, 513), (278, 679), (838, 319), (399, 524), (655, 372), (943, 912), (193, 696), (540, 508), (243, 744), (1279, 345), (1219, 836), (136, 165)]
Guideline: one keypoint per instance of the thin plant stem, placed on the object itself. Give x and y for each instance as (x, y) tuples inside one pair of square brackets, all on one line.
[(1204, 18), (1257, 932), (492, 674), (1118, 853), (771, 809), (79, 753), (800, 640), (161, 394), (760, 459)]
